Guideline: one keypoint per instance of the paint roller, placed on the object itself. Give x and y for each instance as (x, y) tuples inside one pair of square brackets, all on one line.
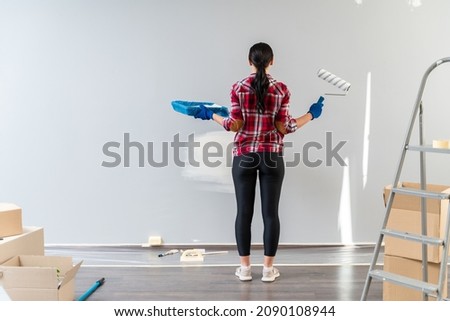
[(171, 252), (335, 81), (197, 255)]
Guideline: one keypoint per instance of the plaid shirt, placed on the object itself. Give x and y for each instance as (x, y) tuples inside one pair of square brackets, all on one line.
[(259, 133)]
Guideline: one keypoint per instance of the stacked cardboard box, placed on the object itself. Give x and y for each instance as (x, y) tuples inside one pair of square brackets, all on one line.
[(25, 272), (405, 257), (30, 242), (10, 220)]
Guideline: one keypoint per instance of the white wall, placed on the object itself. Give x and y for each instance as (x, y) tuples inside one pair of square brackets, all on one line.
[(75, 75)]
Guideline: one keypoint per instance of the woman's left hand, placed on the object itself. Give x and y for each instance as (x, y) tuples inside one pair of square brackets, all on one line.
[(204, 113)]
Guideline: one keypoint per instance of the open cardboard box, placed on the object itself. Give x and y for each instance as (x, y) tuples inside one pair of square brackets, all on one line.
[(39, 278)]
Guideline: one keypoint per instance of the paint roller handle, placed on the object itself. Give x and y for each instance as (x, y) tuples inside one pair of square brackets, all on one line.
[(92, 289), (100, 282), (316, 109)]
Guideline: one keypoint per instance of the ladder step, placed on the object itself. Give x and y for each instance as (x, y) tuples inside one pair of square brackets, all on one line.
[(413, 237), (424, 287), (428, 148), (421, 193)]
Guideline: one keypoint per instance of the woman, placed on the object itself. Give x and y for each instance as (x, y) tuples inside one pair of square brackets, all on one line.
[(260, 117)]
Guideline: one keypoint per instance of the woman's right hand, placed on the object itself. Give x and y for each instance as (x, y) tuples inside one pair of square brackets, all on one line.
[(316, 109)]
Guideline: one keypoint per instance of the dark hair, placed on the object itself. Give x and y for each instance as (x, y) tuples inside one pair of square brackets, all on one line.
[(260, 55)]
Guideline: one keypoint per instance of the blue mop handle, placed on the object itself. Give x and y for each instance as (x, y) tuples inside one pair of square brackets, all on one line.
[(92, 289)]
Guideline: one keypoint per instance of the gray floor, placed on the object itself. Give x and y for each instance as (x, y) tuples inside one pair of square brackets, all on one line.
[(308, 273)]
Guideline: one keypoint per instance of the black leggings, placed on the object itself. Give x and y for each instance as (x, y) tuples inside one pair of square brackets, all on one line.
[(270, 167)]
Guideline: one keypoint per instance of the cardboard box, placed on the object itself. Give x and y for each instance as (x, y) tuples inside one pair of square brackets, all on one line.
[(30, 242), (10, 219), (406, 216), (39, 278), (413, 269)]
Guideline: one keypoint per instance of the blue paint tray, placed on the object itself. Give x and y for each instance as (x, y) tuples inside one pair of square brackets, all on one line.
[(190, 108)]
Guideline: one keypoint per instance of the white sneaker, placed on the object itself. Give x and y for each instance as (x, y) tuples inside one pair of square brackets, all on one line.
[(269, 275), (244, 274)]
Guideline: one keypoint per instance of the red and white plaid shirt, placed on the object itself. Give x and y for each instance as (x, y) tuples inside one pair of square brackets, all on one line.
[(259, 133)]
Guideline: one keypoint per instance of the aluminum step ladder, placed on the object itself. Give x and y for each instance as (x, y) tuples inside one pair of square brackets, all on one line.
[(427, 288)]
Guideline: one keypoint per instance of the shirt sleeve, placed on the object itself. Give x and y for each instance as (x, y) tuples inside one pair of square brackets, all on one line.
[(235, 111), (284, 115)]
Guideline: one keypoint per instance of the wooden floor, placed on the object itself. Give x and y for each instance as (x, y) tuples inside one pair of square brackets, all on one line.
[(308, 273)]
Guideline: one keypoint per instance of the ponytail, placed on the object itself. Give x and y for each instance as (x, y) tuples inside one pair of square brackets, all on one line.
[(260, 55), (260, 84)]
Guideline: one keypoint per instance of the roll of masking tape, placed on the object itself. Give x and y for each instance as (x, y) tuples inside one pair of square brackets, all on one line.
[(440, 144)]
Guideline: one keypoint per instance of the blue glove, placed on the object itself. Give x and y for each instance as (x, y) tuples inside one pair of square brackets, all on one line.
[(316, 109), (204, 113)]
